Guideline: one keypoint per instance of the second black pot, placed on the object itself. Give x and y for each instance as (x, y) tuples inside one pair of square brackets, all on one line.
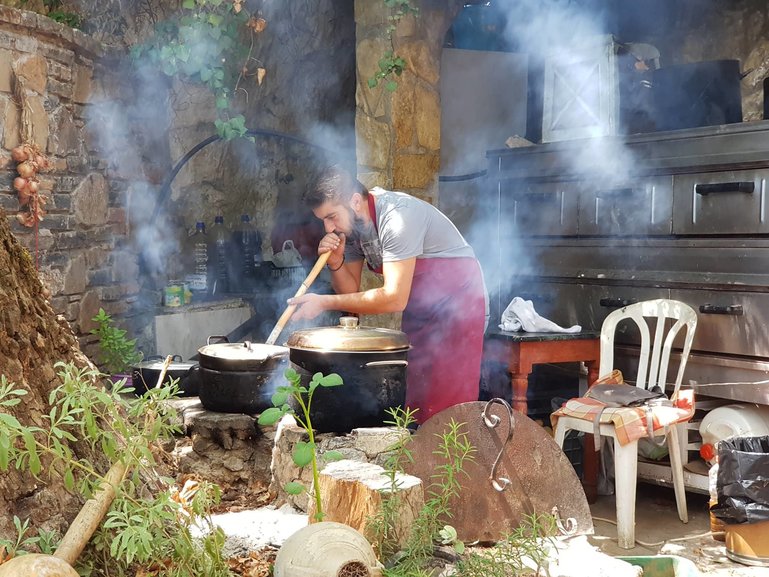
[(372, 383), (246, 392)]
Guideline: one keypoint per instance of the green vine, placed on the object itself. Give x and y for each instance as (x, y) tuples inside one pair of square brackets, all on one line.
[(151, 523), (391, 65), (206, 45), (55, 10)]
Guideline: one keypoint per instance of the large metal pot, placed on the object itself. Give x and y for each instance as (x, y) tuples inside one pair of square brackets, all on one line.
[(239, 377), (372, 363)]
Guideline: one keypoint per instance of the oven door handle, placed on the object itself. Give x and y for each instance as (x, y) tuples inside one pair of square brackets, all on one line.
[(747, 187), (537, 197), (616, 302), (733, 310), (616, 192)]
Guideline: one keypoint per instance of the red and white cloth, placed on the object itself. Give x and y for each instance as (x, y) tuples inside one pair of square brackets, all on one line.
[(630, 423)]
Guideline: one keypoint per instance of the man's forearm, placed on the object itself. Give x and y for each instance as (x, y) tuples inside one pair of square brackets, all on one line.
[(373, 301)]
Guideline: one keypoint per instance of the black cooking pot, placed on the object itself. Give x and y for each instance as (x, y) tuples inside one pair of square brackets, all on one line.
[(146, 374), (239, 391), (239, 377), (372, 363)]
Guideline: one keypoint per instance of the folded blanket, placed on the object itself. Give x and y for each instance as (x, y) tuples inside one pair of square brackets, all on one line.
[(630, 423), (521, 316)]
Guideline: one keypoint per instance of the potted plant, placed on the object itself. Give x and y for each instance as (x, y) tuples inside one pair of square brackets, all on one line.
[(117, 353)]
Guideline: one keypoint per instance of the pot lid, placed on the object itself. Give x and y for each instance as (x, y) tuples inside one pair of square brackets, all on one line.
[(245, 351), (348, 337)]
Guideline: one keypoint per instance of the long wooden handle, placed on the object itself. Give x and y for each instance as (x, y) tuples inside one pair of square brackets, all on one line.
[(319, 264), (90, 516), (163, 371)]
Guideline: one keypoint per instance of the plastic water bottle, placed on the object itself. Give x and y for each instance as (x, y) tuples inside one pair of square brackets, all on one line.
[(220, 278), (199, 280), (246, 239)]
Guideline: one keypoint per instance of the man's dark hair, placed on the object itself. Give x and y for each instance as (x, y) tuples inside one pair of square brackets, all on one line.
[(333, 184)]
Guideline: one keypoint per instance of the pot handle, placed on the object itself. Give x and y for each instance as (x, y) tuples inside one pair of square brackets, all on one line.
[(397, 363), (221, 338), (162, 358)]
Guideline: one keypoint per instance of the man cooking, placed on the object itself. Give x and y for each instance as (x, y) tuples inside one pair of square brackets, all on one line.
[(429, 271)]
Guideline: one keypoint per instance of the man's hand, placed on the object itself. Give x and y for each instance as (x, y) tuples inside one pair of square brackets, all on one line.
[(334, 243), (309, 306)]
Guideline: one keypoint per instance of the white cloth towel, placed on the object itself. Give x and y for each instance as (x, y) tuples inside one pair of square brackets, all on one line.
[(521, 316)]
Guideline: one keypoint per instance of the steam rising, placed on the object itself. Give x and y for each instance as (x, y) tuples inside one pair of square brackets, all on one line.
[(550, 30)]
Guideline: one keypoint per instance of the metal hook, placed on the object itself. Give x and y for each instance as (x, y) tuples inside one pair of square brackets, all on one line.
[(571, 523), (491, 421)]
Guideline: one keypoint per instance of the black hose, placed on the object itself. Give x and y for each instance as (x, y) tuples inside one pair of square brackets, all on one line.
[(464, 177), (165, 188)]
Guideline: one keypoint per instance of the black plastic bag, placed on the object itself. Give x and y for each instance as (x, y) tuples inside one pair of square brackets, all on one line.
[(743, 480)]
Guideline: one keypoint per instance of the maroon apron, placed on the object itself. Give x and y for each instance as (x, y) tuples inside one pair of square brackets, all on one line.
[(444, 320)]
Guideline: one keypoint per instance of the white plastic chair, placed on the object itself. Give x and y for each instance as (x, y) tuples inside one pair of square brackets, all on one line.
[(652, 371)]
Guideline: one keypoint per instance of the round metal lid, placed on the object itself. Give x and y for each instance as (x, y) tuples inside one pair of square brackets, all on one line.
[(245, 351), (348, 337)]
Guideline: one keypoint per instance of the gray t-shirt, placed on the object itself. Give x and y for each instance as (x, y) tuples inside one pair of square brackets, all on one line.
[(408, 227)]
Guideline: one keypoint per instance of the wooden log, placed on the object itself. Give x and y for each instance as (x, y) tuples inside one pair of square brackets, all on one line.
[(352, 491)]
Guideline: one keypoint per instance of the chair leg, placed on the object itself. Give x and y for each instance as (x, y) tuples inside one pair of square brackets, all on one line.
[(560, 433), (625, 468), (677, 469)]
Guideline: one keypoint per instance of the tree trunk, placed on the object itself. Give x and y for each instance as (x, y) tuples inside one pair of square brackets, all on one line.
[(32, 339)]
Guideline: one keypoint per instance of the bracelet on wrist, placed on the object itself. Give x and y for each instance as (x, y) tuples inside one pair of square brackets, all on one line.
[(337, 268)]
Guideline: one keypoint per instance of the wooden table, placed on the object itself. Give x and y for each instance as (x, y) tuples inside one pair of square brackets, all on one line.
[(520, 351)]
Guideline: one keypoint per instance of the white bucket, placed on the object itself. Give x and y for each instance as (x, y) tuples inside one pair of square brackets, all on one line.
[(736, 420)]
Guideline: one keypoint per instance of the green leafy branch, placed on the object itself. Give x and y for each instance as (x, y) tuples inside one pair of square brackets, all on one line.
[(382, 526), (148, 522), (391, 64), (117, 353), (454, 452), (55, 10), (523, 551), (304, 453), (205, 45)]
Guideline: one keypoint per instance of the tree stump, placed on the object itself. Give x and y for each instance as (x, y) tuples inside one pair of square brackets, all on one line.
[(351, 493)]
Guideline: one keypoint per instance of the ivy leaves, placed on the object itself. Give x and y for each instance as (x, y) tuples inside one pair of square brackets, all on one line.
[(391, 64), (204, 45)]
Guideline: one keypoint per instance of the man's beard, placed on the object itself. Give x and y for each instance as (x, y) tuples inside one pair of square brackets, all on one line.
[(360, 228)]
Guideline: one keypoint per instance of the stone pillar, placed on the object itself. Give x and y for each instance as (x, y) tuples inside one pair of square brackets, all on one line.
[(398, 133)]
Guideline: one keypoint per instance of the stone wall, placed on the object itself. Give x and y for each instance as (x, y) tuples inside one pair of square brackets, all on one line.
[(80, 244), (114, 131)]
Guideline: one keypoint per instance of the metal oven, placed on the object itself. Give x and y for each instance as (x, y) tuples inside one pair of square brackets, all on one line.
[(679, 215)]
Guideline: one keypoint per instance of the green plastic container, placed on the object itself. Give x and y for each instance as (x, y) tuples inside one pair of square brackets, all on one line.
[(664, 566)]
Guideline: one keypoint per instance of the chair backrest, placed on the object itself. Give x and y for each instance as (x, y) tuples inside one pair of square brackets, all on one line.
[(655, 352)]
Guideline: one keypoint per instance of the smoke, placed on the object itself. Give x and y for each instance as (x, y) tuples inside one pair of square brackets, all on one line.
[(558, 52), (131, 136)]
